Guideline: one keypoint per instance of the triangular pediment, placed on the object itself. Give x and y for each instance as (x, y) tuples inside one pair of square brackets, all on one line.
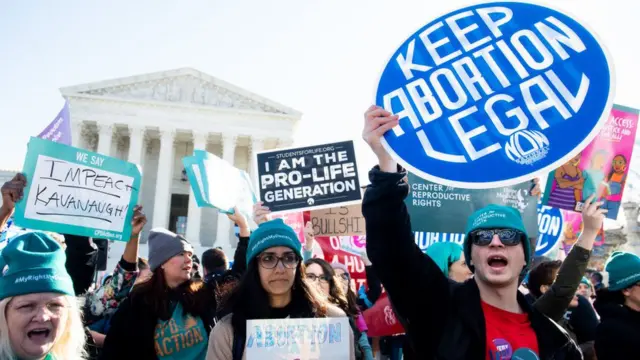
[(187, 86)]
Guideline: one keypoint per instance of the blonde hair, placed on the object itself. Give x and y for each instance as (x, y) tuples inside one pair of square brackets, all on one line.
[(70, 345)]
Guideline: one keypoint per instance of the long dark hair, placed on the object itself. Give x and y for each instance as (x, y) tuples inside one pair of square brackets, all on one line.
[(249, 300), (336, 295), (156, 295)]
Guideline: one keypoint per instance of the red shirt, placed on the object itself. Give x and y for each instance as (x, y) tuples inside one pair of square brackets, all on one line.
[(507, 332)]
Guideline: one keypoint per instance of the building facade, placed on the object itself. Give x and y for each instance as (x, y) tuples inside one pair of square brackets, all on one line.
[(154, 120)]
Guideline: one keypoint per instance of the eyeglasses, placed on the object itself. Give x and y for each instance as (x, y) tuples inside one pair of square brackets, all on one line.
[(508, 237), (270, 261), (345, 276), (314, 278), (31, 309)]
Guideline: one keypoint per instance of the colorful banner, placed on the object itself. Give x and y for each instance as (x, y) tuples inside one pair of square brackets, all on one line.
[(345, 250), (77, 192), (573, 227), (307, 178), (432, 206), (492, 94), (217, 184), (295, 339), (600, 169), (293, 219), (338, 221), (59, 130)]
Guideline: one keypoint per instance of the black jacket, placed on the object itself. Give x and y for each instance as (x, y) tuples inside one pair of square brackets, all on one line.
[(446, 322), (131, 334), (618, 335)]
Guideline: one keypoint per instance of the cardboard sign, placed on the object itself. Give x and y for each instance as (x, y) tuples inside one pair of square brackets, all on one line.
[(308, 178), (294, 339), (494, 93), (218, 184), (432, 206), (550, 227), (600, 169), (338, 221), (77, 192)]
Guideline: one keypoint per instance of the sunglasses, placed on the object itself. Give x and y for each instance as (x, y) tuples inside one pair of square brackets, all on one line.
[(508, 237), (270, 261)]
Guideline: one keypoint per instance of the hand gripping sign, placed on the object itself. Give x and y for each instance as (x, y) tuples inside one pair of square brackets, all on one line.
[(491, 94), (74, 191)]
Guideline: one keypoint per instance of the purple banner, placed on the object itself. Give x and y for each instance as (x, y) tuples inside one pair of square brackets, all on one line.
[(59, 130)]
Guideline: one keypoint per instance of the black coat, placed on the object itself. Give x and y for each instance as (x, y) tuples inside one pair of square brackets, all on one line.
[(131, 335), (618, 335), (443, 320)]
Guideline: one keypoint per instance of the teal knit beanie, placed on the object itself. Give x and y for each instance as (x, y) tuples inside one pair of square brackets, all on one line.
[(496, 217), (444, 254), (34, 263), (623, 269), (273, 233)]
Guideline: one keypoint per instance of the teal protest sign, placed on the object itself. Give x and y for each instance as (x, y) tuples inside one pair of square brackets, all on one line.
[(436, 208), (78, 192), (218, 184)]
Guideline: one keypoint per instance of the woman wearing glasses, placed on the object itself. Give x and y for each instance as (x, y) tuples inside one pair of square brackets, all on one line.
[(272, 288)]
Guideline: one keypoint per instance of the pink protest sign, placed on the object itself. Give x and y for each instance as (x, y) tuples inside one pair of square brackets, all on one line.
[(572, 229), (293, 219), (600, 169)]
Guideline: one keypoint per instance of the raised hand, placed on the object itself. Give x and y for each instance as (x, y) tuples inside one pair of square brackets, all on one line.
[(239, 219), (260, 213), (308, 236), (536, 190), (593, 215), (13, 191), (378, 121), (138, 221)]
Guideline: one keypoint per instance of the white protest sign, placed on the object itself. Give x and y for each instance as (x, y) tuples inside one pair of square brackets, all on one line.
[(74, 191), (293, 339)]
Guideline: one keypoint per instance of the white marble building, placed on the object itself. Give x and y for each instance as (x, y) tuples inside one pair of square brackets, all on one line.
[(156, 119)]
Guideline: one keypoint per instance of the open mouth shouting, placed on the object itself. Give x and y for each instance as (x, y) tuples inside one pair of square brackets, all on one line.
[(40, 335), (497, 262)]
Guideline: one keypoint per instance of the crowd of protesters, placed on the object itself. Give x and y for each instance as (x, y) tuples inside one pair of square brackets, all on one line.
[(488, 299)]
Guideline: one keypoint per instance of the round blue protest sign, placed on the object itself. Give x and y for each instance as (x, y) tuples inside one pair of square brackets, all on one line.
[(494, 93), (550, 226)]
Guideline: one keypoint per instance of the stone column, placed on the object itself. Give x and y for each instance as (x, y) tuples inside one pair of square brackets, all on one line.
[(195, 213), (76, 134), (256, 145), (162, 196), (105, 138), (136, 135), (224, 224)]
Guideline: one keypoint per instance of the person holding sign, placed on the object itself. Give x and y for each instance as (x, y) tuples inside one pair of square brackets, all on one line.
[(272, 288), (483, 318), (167, 316)]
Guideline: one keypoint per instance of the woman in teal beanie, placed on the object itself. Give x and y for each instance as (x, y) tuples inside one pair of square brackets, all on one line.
[(39, 314), (272, 288), (618, 335), (450, 259)]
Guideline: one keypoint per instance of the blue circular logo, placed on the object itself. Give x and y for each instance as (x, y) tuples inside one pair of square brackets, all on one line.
[(491, 94), (550, 226)]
